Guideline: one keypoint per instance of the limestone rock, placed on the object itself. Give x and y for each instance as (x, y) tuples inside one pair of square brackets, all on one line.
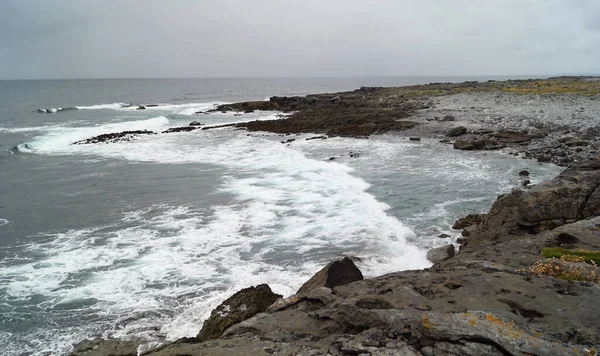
[(336, 273), (471, 219), (441, 254), (457, 131), (244, 304)]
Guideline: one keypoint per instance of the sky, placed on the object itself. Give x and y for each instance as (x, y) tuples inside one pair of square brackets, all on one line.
[(59, 39)]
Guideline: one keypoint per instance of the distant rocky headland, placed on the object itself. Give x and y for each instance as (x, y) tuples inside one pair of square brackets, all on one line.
[(524, 280)]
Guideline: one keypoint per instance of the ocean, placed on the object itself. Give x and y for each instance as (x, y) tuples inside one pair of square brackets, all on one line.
[(142, 239)]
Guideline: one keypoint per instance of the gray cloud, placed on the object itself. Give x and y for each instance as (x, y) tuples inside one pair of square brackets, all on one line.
[(207, 38)]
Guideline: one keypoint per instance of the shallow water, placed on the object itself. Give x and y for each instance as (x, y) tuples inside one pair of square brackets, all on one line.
[(144, 238)]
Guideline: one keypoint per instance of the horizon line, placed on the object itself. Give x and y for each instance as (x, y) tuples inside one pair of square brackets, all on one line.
[(313, 77)]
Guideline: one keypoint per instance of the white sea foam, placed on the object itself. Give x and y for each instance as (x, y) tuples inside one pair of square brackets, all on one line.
[(181, 109), (113, 106), (60, 138), (170, 265), (3, 222)]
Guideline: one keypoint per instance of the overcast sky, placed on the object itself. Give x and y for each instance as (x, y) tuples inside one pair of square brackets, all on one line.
[(232, 38)]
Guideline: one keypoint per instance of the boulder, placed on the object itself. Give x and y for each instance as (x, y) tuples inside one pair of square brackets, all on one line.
[(141, 107), (471, 219), (457, 131), (195, 123), (449, 118), (469, 145), (441, 254), (443, 236), (524, 173), (336, 273), (576, 143), (414, 139), (243, 305)]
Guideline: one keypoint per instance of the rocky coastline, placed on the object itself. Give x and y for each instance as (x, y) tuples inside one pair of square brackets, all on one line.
[(498, 295)]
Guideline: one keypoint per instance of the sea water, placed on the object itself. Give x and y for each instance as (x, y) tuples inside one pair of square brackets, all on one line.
[(142, 239)]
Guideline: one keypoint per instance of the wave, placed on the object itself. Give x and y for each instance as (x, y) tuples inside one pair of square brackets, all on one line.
[(59, 139), (180, 109), (114, 106), (3, 222), (54, 110)]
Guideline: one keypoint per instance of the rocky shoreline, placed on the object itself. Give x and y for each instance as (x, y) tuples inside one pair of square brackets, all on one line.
[(497, 295)]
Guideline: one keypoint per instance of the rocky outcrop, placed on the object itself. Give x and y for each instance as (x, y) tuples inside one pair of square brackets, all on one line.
[(114, 137), (572, 196), (241, 306), (356, 113), (335, 274), (469, 220)]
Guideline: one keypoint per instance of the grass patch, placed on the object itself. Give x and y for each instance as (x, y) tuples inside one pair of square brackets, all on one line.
[(592, 257)]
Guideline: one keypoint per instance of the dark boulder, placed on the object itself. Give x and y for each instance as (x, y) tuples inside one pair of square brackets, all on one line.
[(414, 139), (180, 129), (449, 118), (441, 254), (243, 305), (524, 173), (195, 123), (141, 107), (471, 219), (457, 131), (337, 273), (469, 145), (316, 138)]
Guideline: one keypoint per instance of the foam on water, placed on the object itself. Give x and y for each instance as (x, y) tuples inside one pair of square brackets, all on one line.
[(3, 222), (170, 265), (113, 106), (180, 109), (61, 136)]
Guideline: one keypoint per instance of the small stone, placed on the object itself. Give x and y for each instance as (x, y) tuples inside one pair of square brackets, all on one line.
[(415, 139), (449, 118), (443, 236)]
